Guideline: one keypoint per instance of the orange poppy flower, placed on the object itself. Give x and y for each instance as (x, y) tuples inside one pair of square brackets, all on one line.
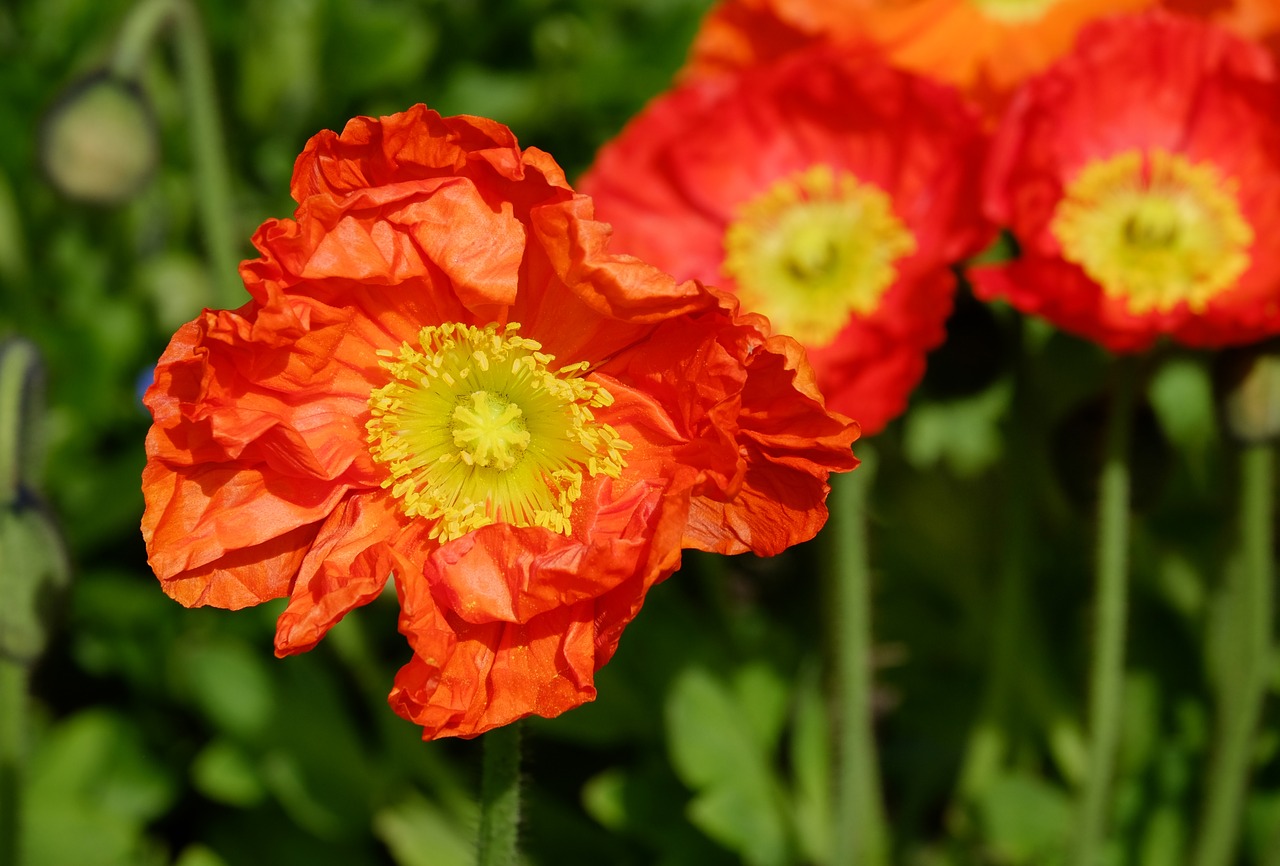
[(444, 375), (1139, 176), (984, 47), (831, 193)]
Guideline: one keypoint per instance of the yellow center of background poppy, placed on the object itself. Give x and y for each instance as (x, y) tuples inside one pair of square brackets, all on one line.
[(1154, 229), (1013, 11), (813, 249), (475, 428)]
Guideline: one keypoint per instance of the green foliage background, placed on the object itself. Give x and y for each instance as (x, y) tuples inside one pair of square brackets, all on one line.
[(165, 735)]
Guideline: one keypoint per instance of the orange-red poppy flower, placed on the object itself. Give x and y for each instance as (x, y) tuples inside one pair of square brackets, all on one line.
[(984, 47), (832, 193), (444, 375), (1140, 177)]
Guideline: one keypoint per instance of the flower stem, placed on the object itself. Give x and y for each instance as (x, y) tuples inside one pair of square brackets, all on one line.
[(13, 703), (1249, 596), (1106, 678), (213, 177), (500, 797), (212, 174), (860, 832), (988, 746), (138, 35)]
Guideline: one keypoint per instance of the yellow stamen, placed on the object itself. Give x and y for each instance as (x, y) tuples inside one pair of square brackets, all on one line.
[(475, 428), (813, 249), (1014, 11), (1154, 229)]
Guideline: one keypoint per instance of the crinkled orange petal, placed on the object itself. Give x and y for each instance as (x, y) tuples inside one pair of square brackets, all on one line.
[(347, 566), (781, 499), (196, 515), (411, 145), (464, 679), (613, 285), (405, 231), (244, 576), (510, 574), (290, 407)]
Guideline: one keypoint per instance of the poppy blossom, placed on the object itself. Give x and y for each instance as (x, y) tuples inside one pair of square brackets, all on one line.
[(831, 193), (983, 47), (445, 376), (1139, 176)]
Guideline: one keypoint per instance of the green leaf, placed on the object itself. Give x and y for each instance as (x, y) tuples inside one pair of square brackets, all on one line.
[(716, 751), (963, 434), (228, 682), (1027, 820), (224, 773), (34, 572), (419, 833), (604, 798), (198, 855), (91, 791)]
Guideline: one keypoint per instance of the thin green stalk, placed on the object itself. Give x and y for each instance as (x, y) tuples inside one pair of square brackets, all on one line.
[(1106, 678), (208, 151), (19, 368), (1272, 857), (987, 745), (13, 705), (500, 797), (1250, 596), (212, 174), (860, 833), (138, 36)]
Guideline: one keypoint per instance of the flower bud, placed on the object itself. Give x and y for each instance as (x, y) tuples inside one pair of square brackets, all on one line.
[(1247, 385), (98, 143)]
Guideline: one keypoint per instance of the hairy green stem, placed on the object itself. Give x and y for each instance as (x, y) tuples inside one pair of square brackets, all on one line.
[(1249, 590), (1106, 677), (860, 833), (500, 797)]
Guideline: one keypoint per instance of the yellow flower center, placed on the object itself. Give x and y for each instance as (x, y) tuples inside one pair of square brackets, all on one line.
[(475, 428), (1154, 229), (813, 249), (1014, 11)]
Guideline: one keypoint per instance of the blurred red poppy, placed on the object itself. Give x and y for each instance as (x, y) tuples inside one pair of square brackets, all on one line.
[(831, 192), (1139, 176)]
